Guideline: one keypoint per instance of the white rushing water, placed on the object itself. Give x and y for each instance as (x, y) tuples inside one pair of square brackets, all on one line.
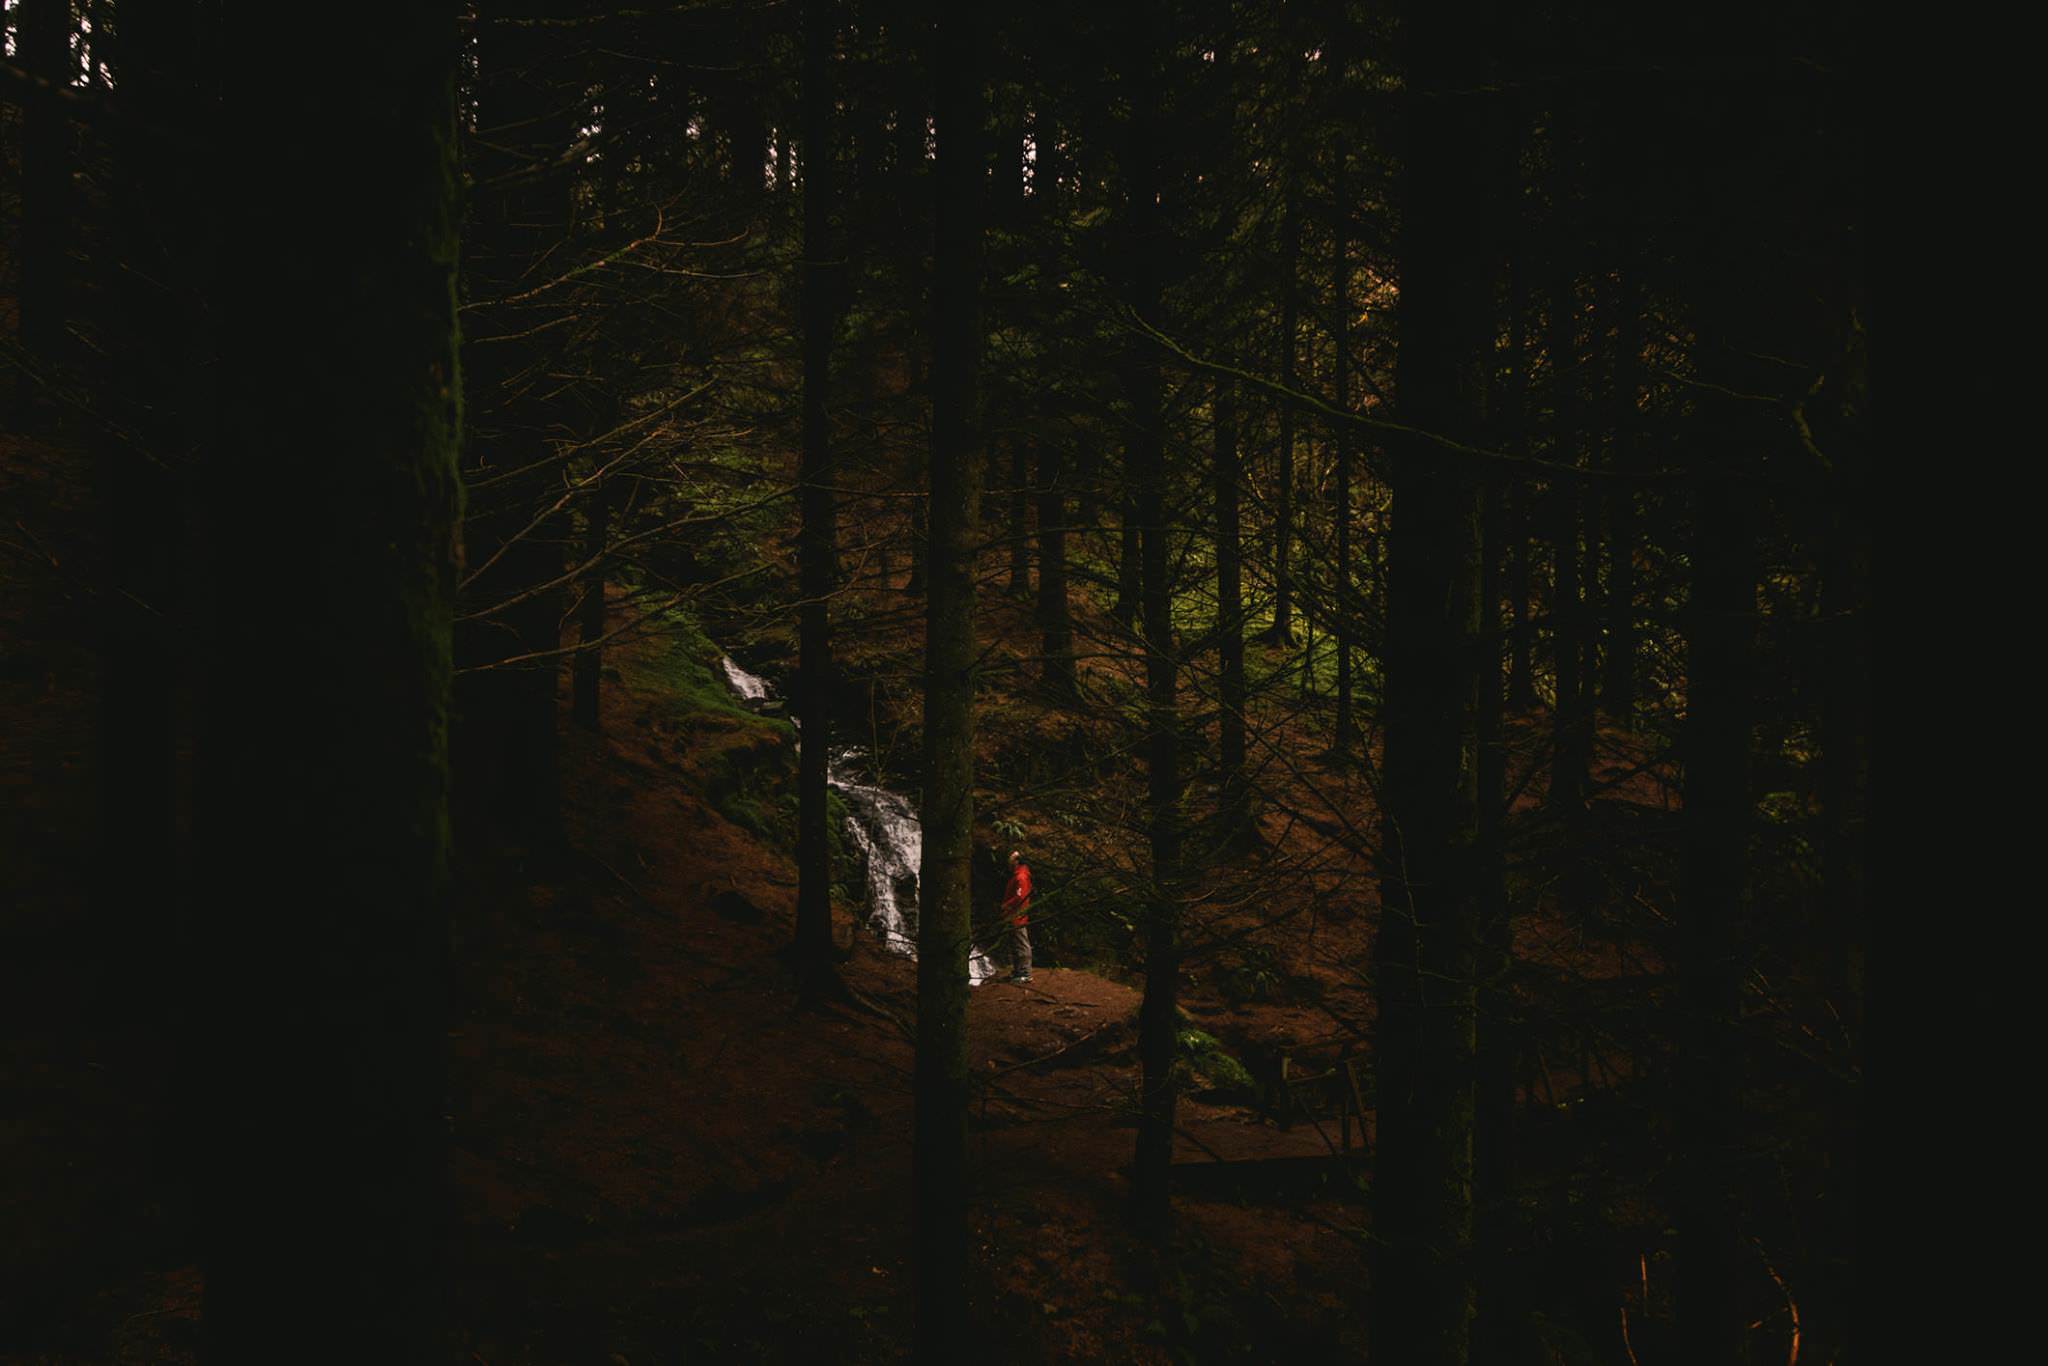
[(750, 687), (883, 826)]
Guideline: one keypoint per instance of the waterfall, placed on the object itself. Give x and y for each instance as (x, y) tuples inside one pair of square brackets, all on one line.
[(883, 826), (750, 687)]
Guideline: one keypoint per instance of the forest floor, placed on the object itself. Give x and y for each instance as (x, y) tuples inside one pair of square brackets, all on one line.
[(661, 1157), (658, 1156)]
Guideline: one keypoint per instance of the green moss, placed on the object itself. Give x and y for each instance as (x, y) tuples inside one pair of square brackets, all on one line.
[(1200, 1054), (749, 777), (835, 844), (744, 764), (683, 663)]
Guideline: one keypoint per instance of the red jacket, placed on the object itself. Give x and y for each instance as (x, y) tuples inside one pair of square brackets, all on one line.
[(1017, 895)]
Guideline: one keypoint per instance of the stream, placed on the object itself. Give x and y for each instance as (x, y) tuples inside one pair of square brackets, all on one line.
[(883, 826)]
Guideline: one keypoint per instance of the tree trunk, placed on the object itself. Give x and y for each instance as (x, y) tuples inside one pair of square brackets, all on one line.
[(817, 538), (1151, 1170), (1088, 482), (1343, 624), (1129, 585), (1619, 689), (586, 670), (1498, 1033), (1308, 656), (143, 474), (43, 30), (1516, 528), (1845, 727), (1591, 614), (945, 875), (509, 636), (1020, 520), (1054, 617), (915, 583), (322, 814), (1424, 952), (1054, 621), (1567, 767), (911, 182), (1282, 630), (1231, 691), (1521, 630), (743, 116), (1843, 788), (1731, 445), (1716, 742)]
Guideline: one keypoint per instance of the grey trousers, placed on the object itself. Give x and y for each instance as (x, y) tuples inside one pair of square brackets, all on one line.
[(1020, 950)]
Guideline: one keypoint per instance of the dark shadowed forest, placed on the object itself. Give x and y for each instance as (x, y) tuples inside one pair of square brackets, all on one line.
[(1179, 681)]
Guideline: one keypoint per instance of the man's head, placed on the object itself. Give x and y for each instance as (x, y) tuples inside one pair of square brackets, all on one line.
[(1015, 858)]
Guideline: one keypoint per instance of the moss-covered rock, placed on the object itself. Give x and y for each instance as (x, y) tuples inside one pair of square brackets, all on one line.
[(743, 763), (1202, 1058)]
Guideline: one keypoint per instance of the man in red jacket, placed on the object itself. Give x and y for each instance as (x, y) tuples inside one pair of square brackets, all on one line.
[(1016, 909)]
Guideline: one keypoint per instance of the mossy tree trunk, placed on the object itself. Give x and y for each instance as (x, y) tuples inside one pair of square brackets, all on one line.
[(320, 935)]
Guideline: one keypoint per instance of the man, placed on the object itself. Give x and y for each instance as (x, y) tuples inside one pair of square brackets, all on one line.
[(1016, 908)]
